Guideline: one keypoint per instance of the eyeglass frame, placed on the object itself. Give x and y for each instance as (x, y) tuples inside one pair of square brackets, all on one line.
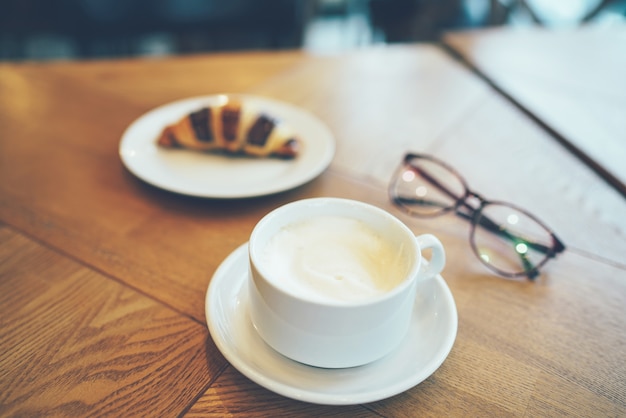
[(530, 271)]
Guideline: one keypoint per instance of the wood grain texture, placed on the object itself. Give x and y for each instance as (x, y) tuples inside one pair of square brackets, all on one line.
[(233, 395), (550, 348), (573, 80), (104, 215), (75, 343), (78, 227), (155, 240), (379, 102), (383, 103), (149, 82), (504, 157), (515, 339), (512, 336)]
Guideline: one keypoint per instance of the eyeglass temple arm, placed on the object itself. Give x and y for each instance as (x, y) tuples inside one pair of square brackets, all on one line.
[(530, 270), (491, 226), (487, 223)]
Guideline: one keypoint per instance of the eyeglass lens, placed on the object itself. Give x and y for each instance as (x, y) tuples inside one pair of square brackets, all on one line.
[(506, 239), (427, 188), (520, 245)]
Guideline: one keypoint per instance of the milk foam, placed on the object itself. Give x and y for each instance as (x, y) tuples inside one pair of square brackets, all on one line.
[(334, 258)]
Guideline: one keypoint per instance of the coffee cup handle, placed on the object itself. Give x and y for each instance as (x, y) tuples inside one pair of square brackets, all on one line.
[(438, 258)]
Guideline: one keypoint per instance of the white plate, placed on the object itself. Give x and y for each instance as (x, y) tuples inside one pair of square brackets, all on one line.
[(427, 345), (219, 176)]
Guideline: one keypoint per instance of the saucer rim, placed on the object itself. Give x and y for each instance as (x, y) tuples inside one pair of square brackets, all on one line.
[(265, 380)]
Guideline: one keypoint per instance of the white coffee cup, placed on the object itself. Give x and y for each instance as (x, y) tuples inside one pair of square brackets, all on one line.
[(345, 321)]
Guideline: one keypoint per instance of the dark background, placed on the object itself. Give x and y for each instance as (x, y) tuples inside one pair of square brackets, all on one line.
[(91, 29)]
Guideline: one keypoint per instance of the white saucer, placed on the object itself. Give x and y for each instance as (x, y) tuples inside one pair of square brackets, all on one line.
[(213, 175), (427, 345)]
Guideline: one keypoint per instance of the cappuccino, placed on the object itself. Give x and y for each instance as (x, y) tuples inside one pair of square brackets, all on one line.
[(334, 258)]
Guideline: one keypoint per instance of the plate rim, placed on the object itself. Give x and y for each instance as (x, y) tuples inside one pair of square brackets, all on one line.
[(316, 397), (321, 164)]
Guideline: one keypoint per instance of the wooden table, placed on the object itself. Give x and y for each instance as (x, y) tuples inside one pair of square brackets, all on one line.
[(570, 81), (103, 277)]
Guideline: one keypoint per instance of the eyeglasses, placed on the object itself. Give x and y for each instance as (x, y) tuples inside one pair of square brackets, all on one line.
[(507, 239)]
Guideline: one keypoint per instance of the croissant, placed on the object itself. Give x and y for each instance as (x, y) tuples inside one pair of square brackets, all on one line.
[(231, 128)]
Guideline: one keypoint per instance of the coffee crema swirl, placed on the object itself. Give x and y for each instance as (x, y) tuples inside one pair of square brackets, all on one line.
[(333, 258)]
